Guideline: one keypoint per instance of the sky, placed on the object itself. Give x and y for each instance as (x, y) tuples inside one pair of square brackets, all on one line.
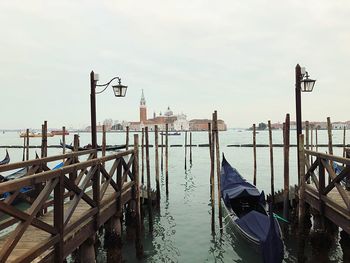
[(236, 57)]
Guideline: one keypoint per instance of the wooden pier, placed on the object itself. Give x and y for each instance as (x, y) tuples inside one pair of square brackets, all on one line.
[(68, 206), (327, 192)]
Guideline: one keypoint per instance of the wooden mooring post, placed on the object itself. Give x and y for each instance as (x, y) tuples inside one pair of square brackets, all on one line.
[(64, 139), (166, 160), (307, 137), (27, 144), (24, 149), (190, 148), (286, 145), (44, 140), (157, 165), (149, 196), (127, 138), (254, 154), (217, 153), (161, 151), (212, 190), (344, 143), (330, 143), (316, 139), (271, 165), (185, 150)]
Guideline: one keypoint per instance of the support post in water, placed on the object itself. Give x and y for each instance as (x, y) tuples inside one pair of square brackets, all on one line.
[(212, 190), (27, 145), (127, 138), (254, 153), (316, 139), (344, 143), (44, 140), (301, 219), (64, 139), (286, 145), (103, 140), (24, 148), (185, 150), (190, 148), (157, 164), (161, 151), (216, 133), (307, 133), (271, 165), (330, 143), (138, 243), (166, 160), (149, 196)]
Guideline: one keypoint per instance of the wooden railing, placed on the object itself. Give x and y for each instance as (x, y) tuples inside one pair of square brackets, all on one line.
[(325, 179), (55, 196)]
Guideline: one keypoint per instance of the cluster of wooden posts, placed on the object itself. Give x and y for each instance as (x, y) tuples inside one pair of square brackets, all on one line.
[(315, 197), (71, 218), (214, 152)]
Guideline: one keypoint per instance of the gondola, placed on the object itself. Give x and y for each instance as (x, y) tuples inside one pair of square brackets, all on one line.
[(28, 190), (245, 208), (99, 148), (170, 133), (6, 160)]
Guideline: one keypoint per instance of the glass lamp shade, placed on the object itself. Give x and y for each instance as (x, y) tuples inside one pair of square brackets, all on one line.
[(308, 85), (119, 90)]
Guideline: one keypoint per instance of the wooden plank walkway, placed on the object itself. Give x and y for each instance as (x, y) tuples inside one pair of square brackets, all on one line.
[(34, 239), (67, 206)]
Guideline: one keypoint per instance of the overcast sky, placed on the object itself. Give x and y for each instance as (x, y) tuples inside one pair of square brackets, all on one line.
[(237, 57)]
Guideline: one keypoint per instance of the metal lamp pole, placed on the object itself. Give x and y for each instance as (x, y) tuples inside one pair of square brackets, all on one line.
[(93, 110), (298, 78)]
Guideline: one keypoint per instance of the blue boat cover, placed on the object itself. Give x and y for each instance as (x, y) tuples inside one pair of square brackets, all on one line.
[(262, 227), (233, 185)]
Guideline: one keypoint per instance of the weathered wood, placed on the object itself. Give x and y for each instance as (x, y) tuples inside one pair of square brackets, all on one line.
[(64, 139), (138, 242), (344, 142), (316, 139), (271, 164), (254, 154), (217, 153), (148, 170), (212, 190), (301, 218), (190, 148), (330, 143), (307, 136), (58, 218), (104, 140), (286, 140), (166, 160), (27, 145), (157, 164), (161, 152), (185, 150), (127, 138)]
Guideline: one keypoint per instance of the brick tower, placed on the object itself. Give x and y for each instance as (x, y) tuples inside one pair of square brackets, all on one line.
[(143, 109)]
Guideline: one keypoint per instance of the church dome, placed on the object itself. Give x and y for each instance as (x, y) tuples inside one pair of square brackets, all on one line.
[(168, 112)]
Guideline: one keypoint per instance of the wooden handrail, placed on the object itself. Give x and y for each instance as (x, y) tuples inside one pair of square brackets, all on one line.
[(328, 157)]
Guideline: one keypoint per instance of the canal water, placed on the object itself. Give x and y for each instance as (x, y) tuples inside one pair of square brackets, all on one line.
[(182, 231)]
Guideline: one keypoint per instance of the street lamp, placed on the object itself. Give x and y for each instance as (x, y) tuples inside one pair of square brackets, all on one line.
[(302, 84), (119, 91)]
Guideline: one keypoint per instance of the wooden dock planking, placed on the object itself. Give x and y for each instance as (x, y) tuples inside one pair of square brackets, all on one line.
[(33, 236)]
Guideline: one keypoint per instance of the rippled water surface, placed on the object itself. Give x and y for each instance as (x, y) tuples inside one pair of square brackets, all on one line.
[(182, 230)]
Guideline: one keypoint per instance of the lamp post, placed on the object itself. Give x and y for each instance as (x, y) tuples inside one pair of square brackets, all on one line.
[(119, 91), (302, 84)]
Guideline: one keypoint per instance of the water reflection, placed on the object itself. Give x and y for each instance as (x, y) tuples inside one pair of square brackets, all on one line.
[(189, 186)]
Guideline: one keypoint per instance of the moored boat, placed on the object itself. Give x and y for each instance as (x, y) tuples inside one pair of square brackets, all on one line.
[(34, 134), (170, 133), (6, 160), (246, 211), (59, 132)]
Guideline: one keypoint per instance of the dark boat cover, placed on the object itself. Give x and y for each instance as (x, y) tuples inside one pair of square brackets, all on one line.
[(233, 185), (260, 226)]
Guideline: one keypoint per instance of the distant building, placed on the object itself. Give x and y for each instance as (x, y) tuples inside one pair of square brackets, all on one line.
[(202, 125), (175, 122)]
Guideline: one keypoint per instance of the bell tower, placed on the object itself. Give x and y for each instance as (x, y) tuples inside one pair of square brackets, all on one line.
[(143, 109)]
